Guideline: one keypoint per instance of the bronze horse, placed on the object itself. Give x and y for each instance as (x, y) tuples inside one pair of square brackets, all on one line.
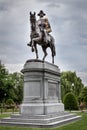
[(37, 37)]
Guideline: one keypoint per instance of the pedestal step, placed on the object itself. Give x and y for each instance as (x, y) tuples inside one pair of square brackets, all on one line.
[(40, 121)]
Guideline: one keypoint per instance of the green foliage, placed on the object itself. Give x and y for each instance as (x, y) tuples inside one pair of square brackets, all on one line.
[(11, 86), (70, 83), (18, 87), (15, 87), (3, 80), (85, 99), (10, 102), (83, 92), (83, 95), (70, 102)]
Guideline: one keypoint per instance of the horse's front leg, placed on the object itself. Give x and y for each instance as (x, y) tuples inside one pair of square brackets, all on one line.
[(45, 53), (32, 46), (36, 51), (45, 56)]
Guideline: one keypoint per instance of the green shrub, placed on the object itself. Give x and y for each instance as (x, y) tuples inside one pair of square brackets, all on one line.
[(10, 102), (70, 102), (85, 99)]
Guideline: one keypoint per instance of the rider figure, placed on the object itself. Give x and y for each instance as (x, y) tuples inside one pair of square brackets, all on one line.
[(44, 23)]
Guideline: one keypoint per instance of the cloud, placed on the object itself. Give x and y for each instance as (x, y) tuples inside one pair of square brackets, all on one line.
[(14, 67), (68, 19), (83, 76)]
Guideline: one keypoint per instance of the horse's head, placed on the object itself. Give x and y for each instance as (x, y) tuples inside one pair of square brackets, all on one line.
[(33, 21)]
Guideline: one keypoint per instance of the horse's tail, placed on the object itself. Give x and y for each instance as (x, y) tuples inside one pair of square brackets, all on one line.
[(53, 46)]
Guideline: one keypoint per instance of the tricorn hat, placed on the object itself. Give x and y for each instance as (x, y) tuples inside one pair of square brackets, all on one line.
[(41, 13)]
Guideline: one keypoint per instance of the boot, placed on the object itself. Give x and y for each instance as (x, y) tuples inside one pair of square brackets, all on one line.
[(29, 44)]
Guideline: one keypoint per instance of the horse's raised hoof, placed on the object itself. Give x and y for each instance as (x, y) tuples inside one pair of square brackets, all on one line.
[(32, 49)]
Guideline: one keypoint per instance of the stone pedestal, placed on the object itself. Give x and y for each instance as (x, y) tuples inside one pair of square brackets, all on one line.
[(42, 93), (42, 106)]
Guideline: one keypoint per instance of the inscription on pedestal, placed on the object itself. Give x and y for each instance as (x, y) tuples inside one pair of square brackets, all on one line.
[(33, 89), (52, 89)]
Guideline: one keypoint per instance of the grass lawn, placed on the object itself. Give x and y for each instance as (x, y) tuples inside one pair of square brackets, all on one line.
[(78, 125), (4, 115)]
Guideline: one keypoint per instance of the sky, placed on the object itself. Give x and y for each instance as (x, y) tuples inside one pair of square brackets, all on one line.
[(68, 20)]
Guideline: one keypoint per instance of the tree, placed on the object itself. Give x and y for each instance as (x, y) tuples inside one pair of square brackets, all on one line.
[(83, 95), (17, 79), (70, 102), (3, 80), (14, 87), (85, 99), (70, 83), (11, 85), (10, 102)]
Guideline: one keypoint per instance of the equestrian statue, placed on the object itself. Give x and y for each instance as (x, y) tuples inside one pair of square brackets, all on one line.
[(40, 34)]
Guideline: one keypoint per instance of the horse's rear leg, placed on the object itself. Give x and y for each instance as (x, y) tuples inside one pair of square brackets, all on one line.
[(53, 53), (53, 59)]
